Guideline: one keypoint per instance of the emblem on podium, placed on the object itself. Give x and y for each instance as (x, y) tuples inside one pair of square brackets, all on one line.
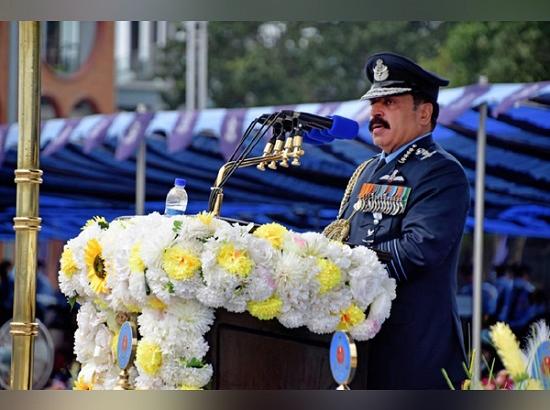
[(343, 359), (126, 350)]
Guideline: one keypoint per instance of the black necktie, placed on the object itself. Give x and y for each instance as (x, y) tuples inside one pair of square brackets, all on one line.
[(381, 163)]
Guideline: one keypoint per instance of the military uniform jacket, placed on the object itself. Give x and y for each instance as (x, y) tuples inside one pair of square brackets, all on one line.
[(423, 333)]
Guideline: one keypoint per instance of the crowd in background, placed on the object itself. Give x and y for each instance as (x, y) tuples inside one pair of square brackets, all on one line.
[(510, 297)]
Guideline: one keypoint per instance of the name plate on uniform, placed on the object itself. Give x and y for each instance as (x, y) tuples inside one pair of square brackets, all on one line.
[(385, 199)]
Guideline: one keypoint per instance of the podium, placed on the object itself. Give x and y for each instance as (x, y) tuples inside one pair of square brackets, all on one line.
[(248, 354)]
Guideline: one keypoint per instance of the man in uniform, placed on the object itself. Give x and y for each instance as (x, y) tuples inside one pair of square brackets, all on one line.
[(411, 201)]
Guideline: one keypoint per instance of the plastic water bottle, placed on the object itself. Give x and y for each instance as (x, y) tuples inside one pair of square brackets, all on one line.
[(176, 200)]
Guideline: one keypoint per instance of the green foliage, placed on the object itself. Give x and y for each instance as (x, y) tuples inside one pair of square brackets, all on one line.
[(503, 51), (177, 226), (269, 63)]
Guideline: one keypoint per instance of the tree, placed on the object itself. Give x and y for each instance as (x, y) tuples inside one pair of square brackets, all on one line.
[(503, 51), (268, 63)]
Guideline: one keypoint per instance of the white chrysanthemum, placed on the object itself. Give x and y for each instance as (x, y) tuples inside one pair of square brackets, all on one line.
[(295, 281), (323, 323), (367, 276), (160, 284), (292, 318), (192, 316), (152, 245), (196, 377), (145, 382), (379, 311), (93, 338), (107, 379)]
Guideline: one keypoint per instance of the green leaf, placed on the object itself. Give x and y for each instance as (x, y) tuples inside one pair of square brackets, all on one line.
[(169, 287), (193, 362), (177, 226), (71, 301), (103, 225)]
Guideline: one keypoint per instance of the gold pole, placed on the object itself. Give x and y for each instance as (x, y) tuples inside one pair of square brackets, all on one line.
[(26, 221)]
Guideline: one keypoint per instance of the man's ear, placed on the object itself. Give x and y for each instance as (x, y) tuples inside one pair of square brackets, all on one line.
[(426, 110)]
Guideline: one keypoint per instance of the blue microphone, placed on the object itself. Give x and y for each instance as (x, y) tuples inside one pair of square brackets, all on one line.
[(341, 128)]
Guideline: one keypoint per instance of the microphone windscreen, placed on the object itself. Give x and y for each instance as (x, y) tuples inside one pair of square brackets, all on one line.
[(343, 128), (316, 136)]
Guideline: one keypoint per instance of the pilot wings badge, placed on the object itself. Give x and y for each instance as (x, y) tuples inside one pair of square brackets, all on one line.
[(393, 177)]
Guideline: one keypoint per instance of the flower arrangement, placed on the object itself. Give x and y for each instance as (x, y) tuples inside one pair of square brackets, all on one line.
[(523, 369), (171, 273)]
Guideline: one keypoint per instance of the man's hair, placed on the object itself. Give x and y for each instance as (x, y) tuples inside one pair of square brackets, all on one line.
[(419, 98)]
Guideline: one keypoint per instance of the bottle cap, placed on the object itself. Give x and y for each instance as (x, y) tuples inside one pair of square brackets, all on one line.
[(180, 182)]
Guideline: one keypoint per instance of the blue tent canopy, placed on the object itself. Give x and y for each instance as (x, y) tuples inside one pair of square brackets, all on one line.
[(89, 164)]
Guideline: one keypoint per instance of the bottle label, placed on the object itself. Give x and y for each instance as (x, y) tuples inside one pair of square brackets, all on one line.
[(173, 211)]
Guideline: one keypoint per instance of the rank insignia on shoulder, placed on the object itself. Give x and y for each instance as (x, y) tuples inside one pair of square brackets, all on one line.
[(393, 177), (423, 153), (383, 199)]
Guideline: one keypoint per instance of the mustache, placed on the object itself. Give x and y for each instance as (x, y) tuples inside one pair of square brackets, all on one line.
[(378, 121)]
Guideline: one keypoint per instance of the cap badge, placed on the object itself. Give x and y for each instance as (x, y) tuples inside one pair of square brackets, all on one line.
[(381, 71)]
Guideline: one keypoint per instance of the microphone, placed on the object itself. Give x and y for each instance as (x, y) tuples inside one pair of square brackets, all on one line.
[(337, 126)]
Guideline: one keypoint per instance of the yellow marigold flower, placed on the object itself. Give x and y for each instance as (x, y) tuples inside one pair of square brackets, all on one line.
[(156, 303), (266, 309), (534, 384), (135, 262), (350, 317), (95, 266), (205, 217), (235, 261), (508, 349), (149, 357), (68, 263), (187, 387), (329, 275), (179, 263), (81, 384), (272, 232)]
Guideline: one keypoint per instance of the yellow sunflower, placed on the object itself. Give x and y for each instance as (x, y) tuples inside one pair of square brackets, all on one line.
[(95, 265)]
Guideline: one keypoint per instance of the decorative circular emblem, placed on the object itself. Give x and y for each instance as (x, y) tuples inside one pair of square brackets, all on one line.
[(541, 366), (125, 345), (381, 72), (343, 358)]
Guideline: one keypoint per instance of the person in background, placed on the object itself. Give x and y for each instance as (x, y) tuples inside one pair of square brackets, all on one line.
[(504, 284)]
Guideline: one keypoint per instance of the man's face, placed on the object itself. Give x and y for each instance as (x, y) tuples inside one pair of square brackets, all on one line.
[(395, 121)]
